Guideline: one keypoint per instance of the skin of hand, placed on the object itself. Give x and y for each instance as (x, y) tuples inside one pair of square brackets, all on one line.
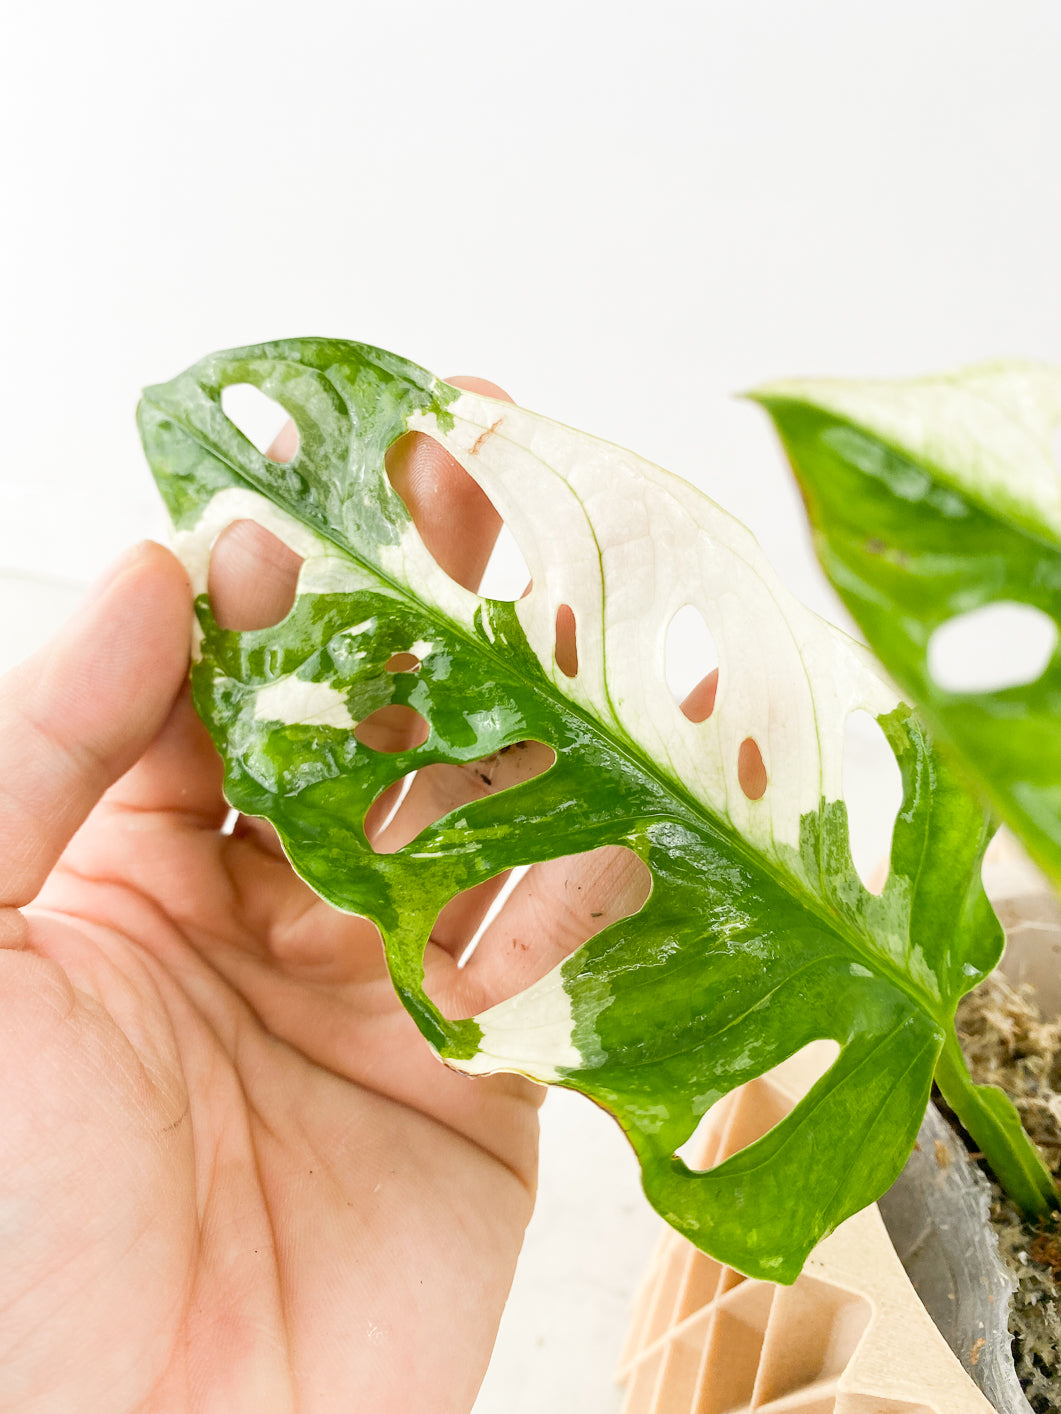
[(232, 1175)]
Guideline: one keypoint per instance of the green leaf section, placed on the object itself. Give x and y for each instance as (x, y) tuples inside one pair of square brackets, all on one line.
[(989, 1115), (758, 936), (928, 499)]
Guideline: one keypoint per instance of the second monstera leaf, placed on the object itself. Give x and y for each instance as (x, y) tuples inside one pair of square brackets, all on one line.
[(932, 500), (758, 936)]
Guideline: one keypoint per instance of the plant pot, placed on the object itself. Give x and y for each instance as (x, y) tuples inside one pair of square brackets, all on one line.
[(852, 1335)]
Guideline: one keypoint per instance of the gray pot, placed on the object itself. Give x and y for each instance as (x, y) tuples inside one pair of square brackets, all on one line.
[(937, 1219), (937, 1213)]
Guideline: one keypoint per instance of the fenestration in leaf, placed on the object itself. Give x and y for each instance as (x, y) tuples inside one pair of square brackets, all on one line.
[(929, 498), (758, 936)]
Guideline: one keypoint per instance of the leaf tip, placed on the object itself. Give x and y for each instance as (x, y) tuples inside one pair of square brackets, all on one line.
[(778, 401)]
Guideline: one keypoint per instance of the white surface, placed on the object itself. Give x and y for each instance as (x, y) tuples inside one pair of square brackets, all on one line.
[(587, 1249), (31, 609), (622, 214)]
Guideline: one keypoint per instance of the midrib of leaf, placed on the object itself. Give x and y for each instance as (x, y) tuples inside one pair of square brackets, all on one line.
[(619, 744)]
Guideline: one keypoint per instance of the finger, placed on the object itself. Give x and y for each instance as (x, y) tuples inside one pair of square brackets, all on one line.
[(252, 585), (452, 787), (253, 575), (700, 703), (252, 578), (459, 920), (557, 906), (553, 909), (456, 520), (280, 902), (251, 827), (287, 922), (285, 443), (180, 773), (437, 790), (77, 715), (459, 526)]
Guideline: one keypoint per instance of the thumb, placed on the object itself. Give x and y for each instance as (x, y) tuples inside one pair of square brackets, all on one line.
[(78, 714)]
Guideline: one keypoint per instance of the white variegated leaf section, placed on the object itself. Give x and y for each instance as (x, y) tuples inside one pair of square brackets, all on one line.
[(626, 545), (290, 699), (294, 701), (530, 1033), (411, 563), (194, 545), (987, 430)]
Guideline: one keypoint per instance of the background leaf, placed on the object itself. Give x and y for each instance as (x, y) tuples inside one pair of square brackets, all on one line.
[(931, 499), (758, 936)]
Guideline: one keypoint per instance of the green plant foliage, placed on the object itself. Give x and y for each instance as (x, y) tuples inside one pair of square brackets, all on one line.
[(758, 936), (929, 499)]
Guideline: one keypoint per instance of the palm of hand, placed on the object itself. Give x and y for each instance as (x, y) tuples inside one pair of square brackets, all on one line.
[(242, 1205), (233, 1175)]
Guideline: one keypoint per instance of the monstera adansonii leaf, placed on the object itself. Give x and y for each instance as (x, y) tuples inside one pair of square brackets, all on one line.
[(931, 499), (757, 937)]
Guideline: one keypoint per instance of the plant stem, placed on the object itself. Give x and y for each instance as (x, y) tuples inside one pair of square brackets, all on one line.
[(992, 1121)]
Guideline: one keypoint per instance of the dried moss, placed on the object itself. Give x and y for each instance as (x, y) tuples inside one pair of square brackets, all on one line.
[(1006, 1043)]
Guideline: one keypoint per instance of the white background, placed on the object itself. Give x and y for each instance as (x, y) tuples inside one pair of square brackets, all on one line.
[(624, 214)]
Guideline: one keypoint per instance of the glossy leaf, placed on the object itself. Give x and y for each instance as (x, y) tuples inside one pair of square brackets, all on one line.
[(758, 936), (930, 499)]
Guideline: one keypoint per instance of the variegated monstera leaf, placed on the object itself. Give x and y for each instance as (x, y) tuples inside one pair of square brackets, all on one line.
[(934, 500), (758, 935)]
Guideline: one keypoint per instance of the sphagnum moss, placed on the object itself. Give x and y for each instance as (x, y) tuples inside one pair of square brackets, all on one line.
[(1007, 1043)]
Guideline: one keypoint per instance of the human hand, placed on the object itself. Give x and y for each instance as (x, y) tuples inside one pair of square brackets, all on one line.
[(232, 1176)]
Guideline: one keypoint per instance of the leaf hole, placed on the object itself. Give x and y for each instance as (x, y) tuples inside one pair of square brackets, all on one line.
[(752, 1110), (393, 729), (506, 576), (992, 648), (429, 794), (690, 663), (440, 495), (509, 883), (261, 419), (751, 769), (873, 793), (547, 913), (384, 809), (566, 651), (402, 663), (253, 577)]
